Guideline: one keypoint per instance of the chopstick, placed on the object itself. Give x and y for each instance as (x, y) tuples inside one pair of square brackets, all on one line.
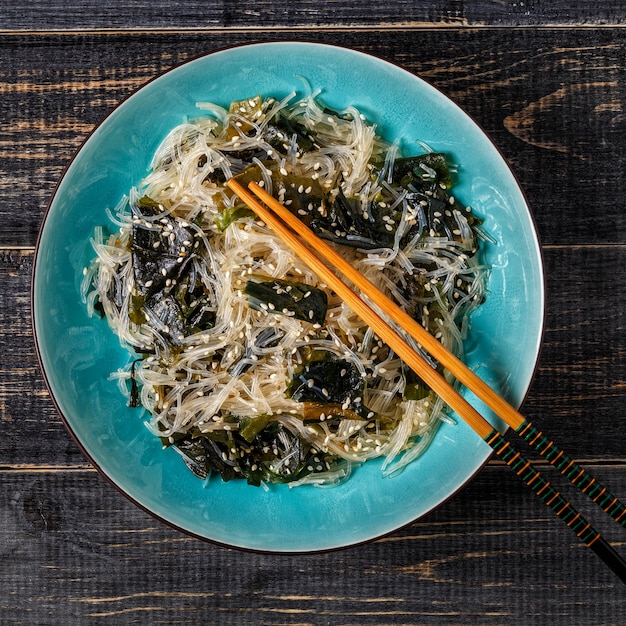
[(520, 465), (579, 476)]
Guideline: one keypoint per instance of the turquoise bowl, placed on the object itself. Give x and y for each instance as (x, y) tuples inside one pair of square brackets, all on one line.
[(78, 353)]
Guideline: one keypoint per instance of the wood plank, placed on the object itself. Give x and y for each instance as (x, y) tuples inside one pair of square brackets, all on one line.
[(185, 14), (580, 377), (73, 548), (537, 93), (579, 382)]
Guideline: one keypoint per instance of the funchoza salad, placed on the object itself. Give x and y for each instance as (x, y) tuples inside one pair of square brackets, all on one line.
[(243, 361)]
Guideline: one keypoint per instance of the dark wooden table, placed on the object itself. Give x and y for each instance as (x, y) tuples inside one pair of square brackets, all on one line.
[(546, 80)]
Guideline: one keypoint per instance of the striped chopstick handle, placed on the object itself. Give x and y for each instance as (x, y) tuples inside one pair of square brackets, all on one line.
[(532, 477), (562, 507), (574, 472)]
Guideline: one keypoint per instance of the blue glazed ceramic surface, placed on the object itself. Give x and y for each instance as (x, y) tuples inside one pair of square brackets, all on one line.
[(78, 353)]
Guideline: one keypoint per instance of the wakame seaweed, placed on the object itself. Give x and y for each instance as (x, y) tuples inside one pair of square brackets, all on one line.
[(423, 170), (161, 248), (261, 451), (168, 293), (284, 297), (333, 384), (252, 366)]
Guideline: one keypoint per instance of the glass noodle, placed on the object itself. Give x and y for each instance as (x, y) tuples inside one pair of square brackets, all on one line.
[(236, 384)]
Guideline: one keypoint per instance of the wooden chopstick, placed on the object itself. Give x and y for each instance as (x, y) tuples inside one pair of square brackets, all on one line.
[(579, 476), (523, 468)]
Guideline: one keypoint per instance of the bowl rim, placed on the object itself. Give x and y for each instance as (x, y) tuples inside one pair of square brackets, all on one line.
[(154, 514)]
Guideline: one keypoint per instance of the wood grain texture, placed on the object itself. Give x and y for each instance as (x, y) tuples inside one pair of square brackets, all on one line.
[(546, 81), (578, 386), (74, 550), (552, 100), (305, 14)]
